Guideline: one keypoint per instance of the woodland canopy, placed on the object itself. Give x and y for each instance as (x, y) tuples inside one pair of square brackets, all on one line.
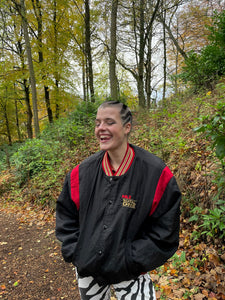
[(56, 54)]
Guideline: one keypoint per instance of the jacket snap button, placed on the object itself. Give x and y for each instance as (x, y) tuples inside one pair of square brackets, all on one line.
[(105, 226), (100, 252)]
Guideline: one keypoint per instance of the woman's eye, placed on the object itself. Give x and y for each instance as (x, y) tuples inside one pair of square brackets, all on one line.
[(110, 123)]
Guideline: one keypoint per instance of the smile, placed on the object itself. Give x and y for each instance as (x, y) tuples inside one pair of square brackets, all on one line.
[(105, 138)]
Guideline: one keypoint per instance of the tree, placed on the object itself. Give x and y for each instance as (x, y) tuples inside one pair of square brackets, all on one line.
[(88, 50), (3, 105), (22, 11), (26, 88), (112, 55), (203, 69), (14, 58), (38, 14)]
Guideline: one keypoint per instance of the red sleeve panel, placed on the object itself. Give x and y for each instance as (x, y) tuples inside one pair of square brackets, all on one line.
[(74, 182), (160, 189)]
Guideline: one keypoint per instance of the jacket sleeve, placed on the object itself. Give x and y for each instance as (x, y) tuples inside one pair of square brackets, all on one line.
[(158, 238), (67, 221)]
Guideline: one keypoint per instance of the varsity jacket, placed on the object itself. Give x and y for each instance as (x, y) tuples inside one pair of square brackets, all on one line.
[(116, 227)]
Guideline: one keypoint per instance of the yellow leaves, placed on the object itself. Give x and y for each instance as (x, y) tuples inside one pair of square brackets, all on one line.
[(167, 290), (53, 254), (194, 272), (186, 282), (3, 243)]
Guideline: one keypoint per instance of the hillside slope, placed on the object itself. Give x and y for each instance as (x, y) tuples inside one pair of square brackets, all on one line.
[(169, 134)]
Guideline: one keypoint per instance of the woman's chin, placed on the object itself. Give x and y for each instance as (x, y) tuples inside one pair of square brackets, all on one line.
[(105, 146)]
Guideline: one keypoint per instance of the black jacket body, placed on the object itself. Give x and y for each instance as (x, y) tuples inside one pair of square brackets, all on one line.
[(115, 228)]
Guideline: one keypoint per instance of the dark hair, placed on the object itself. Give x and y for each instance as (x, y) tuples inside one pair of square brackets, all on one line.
[(125, 113)]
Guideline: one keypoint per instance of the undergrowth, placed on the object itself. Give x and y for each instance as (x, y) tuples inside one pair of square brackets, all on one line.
[(39, 165)]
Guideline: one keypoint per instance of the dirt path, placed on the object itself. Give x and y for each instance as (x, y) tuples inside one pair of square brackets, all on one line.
[(31, 262), (32, 266)]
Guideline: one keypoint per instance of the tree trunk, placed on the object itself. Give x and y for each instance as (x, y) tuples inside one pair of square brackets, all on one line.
[(31, 68), (84, 80), (112, 59), (176, 66), (26, 93), (88, 50), (148, 85), (140, 82), (17, 122), (179, 49), (57, 99), (56, 74), (29, 110), (38, 14), (7, 122), (165, 61)]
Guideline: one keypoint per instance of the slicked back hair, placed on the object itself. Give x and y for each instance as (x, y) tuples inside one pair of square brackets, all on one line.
[(125, 113)]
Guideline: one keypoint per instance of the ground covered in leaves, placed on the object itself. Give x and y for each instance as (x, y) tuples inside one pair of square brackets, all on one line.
[(32, 266), (31, 263)]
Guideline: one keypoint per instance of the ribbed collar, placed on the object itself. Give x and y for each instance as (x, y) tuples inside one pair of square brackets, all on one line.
[(124, 166)]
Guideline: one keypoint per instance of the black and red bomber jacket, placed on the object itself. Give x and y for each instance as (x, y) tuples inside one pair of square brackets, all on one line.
[(116, 227)]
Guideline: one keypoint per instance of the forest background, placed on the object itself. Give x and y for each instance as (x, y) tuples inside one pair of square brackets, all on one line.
[(166, 60)]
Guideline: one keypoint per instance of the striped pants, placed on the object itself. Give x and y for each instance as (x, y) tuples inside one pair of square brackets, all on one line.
[(138, 289)]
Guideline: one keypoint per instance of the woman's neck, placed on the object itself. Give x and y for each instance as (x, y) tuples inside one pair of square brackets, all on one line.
[(116, 156)]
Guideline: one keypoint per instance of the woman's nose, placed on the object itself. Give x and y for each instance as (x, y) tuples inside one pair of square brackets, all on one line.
[(102, 126)]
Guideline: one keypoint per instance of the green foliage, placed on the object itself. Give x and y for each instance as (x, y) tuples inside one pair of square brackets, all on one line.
[(210, 224), (6, 152), (70, 131), (42, 155), (214, 222), (213, 127), (178, 260), (202, 70), (218, 29), (35, 156)]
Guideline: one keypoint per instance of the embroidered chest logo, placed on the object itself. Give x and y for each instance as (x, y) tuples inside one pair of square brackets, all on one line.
[(128, 202)]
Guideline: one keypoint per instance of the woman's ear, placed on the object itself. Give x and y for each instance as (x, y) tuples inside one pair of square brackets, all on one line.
[(128, 128)]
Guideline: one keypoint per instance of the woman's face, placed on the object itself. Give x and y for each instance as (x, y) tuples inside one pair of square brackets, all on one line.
[(109, 129)]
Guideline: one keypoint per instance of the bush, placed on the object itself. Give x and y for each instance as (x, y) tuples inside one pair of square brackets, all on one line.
[(72, 130), (202, 70), (6, 152), (35, 156), (210, 224), (213, 127)]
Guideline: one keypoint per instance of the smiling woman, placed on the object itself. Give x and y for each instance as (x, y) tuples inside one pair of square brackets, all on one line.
[(118, 213), (111, 132)]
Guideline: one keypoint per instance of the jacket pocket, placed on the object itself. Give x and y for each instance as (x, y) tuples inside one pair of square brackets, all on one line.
[(133, 268)]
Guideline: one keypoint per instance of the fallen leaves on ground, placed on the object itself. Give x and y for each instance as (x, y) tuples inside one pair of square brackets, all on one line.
[(195, 272)]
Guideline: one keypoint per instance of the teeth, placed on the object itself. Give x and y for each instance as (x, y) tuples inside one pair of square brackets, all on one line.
[(104, 137)]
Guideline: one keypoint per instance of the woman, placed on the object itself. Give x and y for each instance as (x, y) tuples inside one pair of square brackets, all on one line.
[(118, 213)]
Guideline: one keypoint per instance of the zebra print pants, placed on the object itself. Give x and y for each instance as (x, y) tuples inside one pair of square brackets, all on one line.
[(138, 289)]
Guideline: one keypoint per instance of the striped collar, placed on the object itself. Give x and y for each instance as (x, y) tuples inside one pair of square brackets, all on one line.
[(124, 166)]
